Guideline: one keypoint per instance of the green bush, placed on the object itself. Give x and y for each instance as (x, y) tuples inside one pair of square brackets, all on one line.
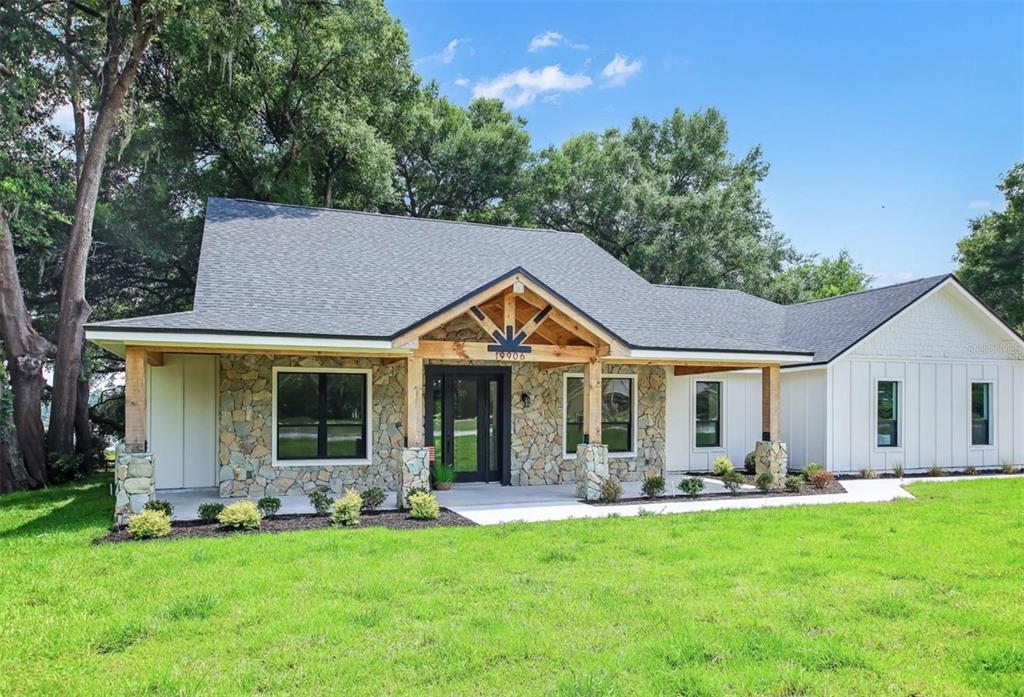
[(414, 490), (869, 473), (971, 469), (809, 469), (373, 498), (653, 486), (749, 464), (691, 486), (794, 483), (898, 470), (64, 468), (732, 480), (821, 479), (241, 515), (348, 508), (1009, 468), (320, 502), (423, 506), (160, 505), (269, 505), (936, 471), (443, 474), (611, 490), (149, 523), (721, 465), (209, 511), (764, 481)]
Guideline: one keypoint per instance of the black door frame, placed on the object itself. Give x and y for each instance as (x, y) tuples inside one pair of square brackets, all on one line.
[(503, 420)]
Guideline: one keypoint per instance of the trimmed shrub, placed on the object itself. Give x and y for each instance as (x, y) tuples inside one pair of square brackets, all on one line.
[(764, 481), (749, 464), (373, 498), (794, 483), (159, 505), (611, 490), (653, 486), (691, 486), (721, 465), (732, 480), (413, 491), (241, 515), (971, 469), (821, 479), (209, 511), (320, 502), (423, 506), (347, 508), (898, 470), (269, 505), (936, 471), (149, 523), (809, 469), (869, 473)]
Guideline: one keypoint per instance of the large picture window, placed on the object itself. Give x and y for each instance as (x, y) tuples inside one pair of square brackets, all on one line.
[(321, 416), (981, 413), (616, 413), (708, 412), (888, 411)]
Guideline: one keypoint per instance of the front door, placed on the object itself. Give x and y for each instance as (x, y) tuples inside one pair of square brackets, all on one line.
[(467, 421)]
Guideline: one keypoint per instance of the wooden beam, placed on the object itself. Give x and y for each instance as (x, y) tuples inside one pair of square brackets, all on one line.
[(509, 324), (486, 323), (135, 399), (477, 351), (704, 369), (530, 327), (155, 358), (592, 401), (556, 366), (414, 431), (770, 402)]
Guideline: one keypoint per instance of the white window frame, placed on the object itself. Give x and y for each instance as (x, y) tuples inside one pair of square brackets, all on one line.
[(901, 436), (991, 445), (633, 413), (720, 448), (323, 462)]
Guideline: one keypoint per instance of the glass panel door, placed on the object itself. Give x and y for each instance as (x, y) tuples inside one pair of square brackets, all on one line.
[(465, 424)]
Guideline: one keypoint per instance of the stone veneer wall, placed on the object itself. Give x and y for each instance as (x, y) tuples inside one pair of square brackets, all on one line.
[(245, 433)]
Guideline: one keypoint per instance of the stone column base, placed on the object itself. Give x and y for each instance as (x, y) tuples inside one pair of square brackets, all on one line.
[(771, 456), (415, 472), (591, 470), (134, 483)]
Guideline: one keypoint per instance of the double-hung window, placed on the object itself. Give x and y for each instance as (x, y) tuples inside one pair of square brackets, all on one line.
[(981, 413), (321, 415), (617, 417), (887, 411), (708, 412)]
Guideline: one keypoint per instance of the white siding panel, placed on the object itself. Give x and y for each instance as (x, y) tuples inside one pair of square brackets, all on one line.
[(803, 415), (182, 421), (166, 422)]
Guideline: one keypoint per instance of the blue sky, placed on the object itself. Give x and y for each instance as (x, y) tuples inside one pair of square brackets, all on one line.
[(887, 126)]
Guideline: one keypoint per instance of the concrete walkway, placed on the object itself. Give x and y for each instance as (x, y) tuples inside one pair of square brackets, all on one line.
[(491, 504)]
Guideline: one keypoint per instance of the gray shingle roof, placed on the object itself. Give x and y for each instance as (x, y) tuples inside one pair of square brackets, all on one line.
[(278, 269)]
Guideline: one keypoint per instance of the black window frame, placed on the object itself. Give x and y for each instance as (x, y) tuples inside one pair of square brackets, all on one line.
[(717, 421), (894, 421), (630, 423), (987, 419), (322, 425)]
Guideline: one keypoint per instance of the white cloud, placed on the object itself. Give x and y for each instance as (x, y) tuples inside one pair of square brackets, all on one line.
[(462, 81), (552, 38), (619, 70), (980, 205), (521, 87), (446, 55)]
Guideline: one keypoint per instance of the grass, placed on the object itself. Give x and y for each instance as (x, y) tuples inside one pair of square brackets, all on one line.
[(914, 597)]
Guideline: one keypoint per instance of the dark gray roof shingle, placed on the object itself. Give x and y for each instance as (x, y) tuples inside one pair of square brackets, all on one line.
[(279, 269)]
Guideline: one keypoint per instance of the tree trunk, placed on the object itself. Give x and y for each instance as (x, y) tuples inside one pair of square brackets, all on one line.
[(12, 470), (83, 429), (26, 351)]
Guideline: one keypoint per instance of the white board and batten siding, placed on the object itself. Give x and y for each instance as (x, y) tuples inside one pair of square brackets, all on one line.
[(741, 419), (935, 350), (183, 422), (804, 402)]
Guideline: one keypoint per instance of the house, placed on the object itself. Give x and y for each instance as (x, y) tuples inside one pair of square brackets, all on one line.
[(335, 348)]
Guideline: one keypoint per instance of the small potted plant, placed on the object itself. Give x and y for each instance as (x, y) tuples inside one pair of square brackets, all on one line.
[(444, 475)]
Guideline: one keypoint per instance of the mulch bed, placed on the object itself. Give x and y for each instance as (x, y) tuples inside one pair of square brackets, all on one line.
[(397, 520), (834, 487)]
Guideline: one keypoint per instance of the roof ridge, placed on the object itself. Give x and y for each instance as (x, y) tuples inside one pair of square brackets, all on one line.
[(398, 217), (873, 290)]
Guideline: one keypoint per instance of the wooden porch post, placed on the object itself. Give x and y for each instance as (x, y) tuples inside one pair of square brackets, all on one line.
[(135, 399), (770, 403), (414, 402), (592, 401)]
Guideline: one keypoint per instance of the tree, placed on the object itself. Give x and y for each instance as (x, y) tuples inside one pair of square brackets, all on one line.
[(991, 257), (459, 163), (668, 199), (812, 278)]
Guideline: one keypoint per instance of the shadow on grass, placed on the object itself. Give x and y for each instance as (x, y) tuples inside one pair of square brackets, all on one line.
[(66, 508)]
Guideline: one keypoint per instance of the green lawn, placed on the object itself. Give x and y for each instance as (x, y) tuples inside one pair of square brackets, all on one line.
[(918, 597)]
